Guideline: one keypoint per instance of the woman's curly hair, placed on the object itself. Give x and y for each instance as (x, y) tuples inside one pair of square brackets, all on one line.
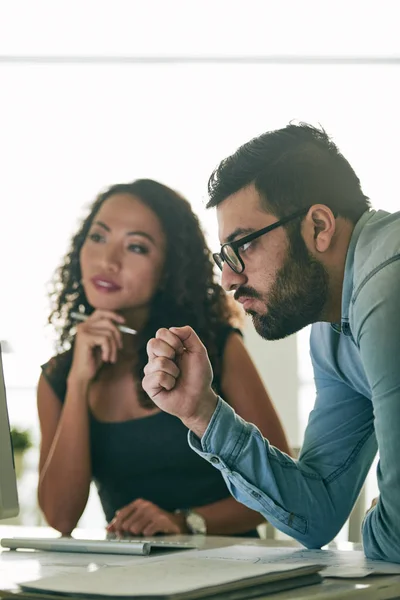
[(189, 294)]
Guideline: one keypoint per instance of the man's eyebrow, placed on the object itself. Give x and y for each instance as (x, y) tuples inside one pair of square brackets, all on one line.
[(239, 232)]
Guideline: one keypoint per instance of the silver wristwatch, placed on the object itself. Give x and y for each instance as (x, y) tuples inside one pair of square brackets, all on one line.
[(195, 523)]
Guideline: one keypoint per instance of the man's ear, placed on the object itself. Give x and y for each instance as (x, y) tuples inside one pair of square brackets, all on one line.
[(320, 227)]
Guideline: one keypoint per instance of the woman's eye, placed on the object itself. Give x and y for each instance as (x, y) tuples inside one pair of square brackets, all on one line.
[(137, 249), (95, 237)]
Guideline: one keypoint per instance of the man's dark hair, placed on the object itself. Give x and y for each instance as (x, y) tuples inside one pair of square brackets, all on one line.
[(291, 168)]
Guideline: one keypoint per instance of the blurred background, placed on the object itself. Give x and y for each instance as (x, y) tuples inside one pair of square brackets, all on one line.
[(95, 93)]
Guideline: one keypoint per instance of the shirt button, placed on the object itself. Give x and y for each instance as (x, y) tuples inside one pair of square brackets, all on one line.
[(214, 460), (256, 495)]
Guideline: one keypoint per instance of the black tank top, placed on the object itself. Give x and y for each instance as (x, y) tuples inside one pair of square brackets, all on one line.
[(146, 458)]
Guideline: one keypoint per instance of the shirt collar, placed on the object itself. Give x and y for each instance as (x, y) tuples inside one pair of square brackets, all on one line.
[(344, 326)]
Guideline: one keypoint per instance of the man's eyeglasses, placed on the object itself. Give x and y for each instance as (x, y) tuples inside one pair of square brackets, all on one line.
[(230, 252)]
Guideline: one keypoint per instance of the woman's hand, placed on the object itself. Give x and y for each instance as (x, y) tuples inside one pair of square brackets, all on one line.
[(97, 341), (142, 517)]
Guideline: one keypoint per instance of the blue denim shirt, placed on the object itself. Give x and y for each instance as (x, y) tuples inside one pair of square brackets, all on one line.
[(357, 410)]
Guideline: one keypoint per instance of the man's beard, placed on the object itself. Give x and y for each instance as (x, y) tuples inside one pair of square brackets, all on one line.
[(298, 295)]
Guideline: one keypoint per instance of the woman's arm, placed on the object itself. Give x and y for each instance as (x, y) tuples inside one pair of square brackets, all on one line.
[(64, 465), (243, 389), (65, 462)]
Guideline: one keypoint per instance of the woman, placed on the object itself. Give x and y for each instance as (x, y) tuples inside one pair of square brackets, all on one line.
[(139, 259)]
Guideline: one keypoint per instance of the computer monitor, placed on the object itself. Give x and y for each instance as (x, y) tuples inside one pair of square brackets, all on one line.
[(9, 506)]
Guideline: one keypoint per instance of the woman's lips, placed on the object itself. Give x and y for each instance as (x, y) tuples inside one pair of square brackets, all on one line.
[(102, 284)]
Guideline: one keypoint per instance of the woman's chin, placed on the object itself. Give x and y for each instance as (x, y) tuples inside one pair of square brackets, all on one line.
[(105, 304)]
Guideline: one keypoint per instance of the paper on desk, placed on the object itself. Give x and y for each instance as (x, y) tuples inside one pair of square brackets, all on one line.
[(158, 577), (20, 566), (339, 563)]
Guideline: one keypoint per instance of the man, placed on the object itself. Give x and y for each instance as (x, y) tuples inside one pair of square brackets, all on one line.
[(301, 245)]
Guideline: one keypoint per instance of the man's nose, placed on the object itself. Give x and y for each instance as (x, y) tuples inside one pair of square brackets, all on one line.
[(231, 280)]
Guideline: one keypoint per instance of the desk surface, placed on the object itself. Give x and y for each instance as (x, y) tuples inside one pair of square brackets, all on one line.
[(17, 567)]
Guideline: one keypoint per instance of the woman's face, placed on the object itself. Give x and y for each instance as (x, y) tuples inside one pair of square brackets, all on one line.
[(123, 255)]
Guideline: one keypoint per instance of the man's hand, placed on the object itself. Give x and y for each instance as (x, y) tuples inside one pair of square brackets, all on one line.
[(178, 377), (145, 518)]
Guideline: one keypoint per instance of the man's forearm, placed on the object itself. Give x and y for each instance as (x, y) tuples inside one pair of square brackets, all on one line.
[(305, 502)]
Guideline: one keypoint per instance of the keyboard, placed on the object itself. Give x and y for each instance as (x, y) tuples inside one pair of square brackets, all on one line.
[(125, 545)]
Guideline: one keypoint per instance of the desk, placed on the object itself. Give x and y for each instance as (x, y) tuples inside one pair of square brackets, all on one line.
[(17, 567)]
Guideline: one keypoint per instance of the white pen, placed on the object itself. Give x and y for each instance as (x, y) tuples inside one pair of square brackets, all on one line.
[(82, 317)]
